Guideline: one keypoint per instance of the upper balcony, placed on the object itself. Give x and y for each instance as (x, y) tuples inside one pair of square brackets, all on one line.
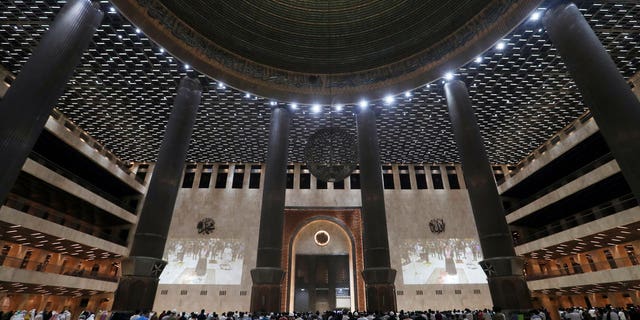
[(561, 151), (97, 272)]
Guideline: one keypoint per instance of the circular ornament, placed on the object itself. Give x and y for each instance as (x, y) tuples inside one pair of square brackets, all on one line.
[(321, 238)]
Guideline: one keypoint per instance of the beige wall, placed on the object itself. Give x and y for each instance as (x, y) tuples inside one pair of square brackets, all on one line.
[(408, 215), (237, 211)]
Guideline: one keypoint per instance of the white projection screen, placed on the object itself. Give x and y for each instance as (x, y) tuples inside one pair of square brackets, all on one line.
[(203, 261), (441, 261)]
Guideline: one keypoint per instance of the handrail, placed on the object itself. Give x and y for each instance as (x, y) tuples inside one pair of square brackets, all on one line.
[(43, 212), (578, 268), (605, 209), (562, 181), (84, 183), (20, 263), (551, 142), (89, 140)]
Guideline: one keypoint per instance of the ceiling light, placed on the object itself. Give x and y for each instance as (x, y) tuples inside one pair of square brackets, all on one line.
[(363, 103), (407, 94), (389, 99), (247, 95), (448, 76), (535, 16), (478, 59), (273, 103), (112, 10), (315, 108), (338, 107), (294, 106), (161, 50), (137, 30), (500, 45), (221, 85)]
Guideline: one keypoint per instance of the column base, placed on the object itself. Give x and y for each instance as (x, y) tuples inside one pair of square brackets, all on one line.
[(266, 289), (137, 286), (380, 290), (134, 293), (507, 285)]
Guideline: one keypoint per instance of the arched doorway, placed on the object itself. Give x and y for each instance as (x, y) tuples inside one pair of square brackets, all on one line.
[(323, 260), (321, 276)]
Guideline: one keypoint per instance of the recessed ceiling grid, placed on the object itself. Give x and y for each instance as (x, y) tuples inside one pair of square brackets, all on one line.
[(32, 238), (593, 288), (123, 91), (24, 288)]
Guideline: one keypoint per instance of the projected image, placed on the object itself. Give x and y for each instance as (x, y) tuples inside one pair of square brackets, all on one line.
[(441, 261), (203, 261)]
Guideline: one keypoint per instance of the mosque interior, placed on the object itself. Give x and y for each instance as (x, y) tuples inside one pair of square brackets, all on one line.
[(357, 84)]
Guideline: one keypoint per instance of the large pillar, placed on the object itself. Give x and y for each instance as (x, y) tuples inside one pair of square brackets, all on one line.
[(28, 103), (142, 269), (503, 268), (268, 274), (377, 274), (610, 99)]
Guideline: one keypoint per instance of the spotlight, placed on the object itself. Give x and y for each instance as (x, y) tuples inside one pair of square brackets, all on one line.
[(500, 45), (448, 76), (478, 59), (338, 107), (247, 95), (161, 50), (535, 16), (221, 85), (137, 30), (389, 99), (315, 108), (407, 94), (273, 103), (186, 66), (112, 10), (294, 106), (363, 103)]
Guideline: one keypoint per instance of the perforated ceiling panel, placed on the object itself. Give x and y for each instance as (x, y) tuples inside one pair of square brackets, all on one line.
[(122, 93)]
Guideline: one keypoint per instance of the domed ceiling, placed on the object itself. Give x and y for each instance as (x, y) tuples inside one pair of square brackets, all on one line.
[(337, 51), (122, 92)]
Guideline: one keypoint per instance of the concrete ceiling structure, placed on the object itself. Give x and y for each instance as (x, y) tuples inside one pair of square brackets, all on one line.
[(122, 92), (326, 51)]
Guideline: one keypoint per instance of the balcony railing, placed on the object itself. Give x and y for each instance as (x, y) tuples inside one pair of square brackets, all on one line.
[(515, 205), (608, 208), (84, 183), (579, 268), (40, 266), (43, 212), (553, 141)]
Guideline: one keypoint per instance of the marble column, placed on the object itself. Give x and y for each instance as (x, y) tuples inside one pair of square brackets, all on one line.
[(378, 276), (268, 274), (141, 270), (615, 108), (27, 104), (501, 265)]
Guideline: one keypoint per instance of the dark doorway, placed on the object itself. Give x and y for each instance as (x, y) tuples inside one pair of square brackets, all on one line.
[(321, 282)]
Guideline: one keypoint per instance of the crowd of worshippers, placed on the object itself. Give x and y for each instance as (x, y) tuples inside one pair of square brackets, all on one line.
[(576, 313), (606, 313), (466, 314), (52, 315)]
